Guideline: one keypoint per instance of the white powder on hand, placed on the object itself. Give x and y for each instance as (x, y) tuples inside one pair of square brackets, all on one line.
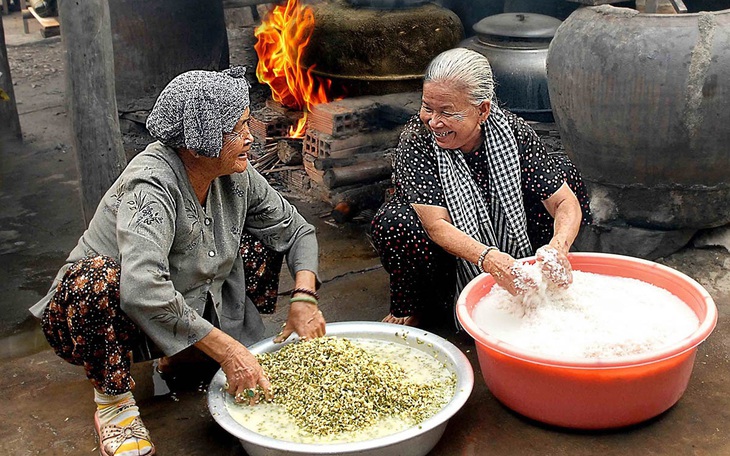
[(549, 261), (598, 316)]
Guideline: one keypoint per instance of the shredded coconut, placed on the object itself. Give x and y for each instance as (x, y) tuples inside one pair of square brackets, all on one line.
[(598, 316), (549, 259), (524, 279)]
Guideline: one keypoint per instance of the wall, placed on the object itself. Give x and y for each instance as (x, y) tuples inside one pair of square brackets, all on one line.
[(471, 11)]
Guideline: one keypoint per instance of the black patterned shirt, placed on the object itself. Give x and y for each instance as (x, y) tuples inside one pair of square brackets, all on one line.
[(416, 175)]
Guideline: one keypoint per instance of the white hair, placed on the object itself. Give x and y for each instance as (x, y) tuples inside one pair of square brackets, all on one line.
[(467, 68)]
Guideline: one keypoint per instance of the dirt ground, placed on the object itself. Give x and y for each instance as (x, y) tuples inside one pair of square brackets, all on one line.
[(48, 404)]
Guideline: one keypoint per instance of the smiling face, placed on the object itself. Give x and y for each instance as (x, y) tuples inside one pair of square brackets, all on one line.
[(236, 144), (449, 115)]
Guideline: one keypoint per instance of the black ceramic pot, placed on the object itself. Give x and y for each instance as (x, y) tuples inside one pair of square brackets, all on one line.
[(516, 45)]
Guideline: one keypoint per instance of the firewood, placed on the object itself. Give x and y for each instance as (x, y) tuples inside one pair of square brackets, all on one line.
[(348, 203), (290, 151), (359, 173)]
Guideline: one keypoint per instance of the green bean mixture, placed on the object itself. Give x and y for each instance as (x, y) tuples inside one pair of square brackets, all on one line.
[(331, 385)]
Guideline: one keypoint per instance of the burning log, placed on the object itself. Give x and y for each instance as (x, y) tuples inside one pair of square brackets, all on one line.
[(348, 203)]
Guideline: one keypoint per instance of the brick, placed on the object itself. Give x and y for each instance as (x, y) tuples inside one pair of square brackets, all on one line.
[(273, 123), (321, 145), (360, 114)]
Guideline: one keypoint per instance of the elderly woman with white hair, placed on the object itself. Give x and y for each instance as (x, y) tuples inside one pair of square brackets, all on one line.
[(159, 270), (475, 189)]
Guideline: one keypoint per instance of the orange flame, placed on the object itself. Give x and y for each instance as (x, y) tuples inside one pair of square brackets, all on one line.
[(281, 39)]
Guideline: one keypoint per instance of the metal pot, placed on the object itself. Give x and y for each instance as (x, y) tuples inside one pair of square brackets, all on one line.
[(516, 45), (416, 441)]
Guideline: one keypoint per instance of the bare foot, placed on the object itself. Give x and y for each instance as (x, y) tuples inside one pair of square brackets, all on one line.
[(410, 320)]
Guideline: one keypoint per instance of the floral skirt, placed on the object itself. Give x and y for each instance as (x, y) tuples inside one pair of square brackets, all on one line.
[(422, 274), (85, 325), (262, 267)]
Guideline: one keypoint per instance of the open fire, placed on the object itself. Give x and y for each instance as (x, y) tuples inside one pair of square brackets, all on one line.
[(282, 38)]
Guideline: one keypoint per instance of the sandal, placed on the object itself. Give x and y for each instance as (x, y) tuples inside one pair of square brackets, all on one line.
[(111, 436)]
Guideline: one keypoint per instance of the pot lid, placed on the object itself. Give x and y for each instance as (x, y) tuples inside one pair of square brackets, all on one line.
[(517, 26)]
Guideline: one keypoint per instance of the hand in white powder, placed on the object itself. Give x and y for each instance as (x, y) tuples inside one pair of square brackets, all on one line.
[(554, 266), (508, 273), (522, 280)]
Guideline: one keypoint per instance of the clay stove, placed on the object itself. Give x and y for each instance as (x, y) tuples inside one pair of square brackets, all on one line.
[(346, 85)]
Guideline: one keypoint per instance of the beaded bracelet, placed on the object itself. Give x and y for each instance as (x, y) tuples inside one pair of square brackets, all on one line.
[(482, 256), (304, 299), (306, 291)]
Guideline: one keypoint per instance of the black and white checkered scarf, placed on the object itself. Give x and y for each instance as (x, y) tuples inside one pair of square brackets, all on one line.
[(197, 107), (503, 223)]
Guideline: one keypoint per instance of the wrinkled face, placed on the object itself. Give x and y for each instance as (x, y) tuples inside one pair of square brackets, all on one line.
[(236, 144), (453, 120)]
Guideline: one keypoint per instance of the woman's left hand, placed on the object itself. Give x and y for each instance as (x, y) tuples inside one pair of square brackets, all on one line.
[(305, 319), (555, 265)]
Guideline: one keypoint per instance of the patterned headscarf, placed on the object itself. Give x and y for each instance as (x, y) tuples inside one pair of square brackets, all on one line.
[(197, 107)]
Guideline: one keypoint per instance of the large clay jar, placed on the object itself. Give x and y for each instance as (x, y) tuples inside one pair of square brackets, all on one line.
[(642, 102)]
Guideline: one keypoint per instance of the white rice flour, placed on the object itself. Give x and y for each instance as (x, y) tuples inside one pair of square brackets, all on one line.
[(598, 316)]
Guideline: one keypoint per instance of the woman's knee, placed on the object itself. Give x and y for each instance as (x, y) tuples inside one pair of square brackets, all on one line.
[(402, 242), (397, 223)]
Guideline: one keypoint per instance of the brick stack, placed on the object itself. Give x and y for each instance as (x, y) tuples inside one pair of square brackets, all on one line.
[(347, 148)]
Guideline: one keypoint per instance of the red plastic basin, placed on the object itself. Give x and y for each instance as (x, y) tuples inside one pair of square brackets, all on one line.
[(587, 393)]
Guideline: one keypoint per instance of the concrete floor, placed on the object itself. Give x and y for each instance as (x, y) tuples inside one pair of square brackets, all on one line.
[(47, 404)]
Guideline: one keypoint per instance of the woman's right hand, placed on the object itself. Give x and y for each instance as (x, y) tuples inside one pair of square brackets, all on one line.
[(242, 369), (244, 374), (508, 273)]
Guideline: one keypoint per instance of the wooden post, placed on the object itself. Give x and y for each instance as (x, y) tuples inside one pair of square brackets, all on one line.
[(87, 38), (9, 119)]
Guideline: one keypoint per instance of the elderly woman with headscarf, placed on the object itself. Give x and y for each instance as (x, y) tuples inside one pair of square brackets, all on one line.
[(159, 268), (475, 190)]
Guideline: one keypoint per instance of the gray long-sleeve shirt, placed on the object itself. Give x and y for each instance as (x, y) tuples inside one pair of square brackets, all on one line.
[(176, 254)]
